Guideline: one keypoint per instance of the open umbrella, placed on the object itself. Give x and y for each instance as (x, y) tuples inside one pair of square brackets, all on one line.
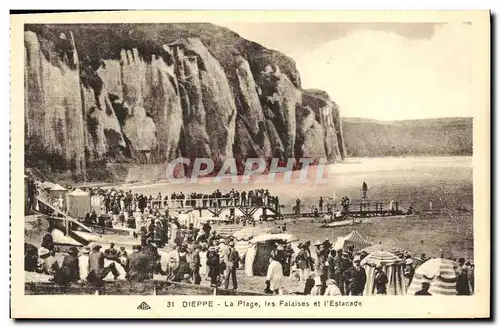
[(379, 257), (440, 273)]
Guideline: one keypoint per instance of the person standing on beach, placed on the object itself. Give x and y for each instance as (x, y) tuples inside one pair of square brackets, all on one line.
[(232, 263), (213, 263), (274, 276), (380, 281), (320, 204), (463, 287), (302, 263), (356, 279)]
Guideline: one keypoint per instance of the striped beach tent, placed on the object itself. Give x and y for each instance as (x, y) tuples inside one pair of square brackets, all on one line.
[(392, 267), (382, 257), (382, 247), (440, 273), (398, 251)]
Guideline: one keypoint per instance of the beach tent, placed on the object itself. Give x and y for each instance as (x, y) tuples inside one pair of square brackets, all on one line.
[(78, 202), (352, 239), (242, 238), (379, 247), (188, 218), (248, 233), (58, 191), (392, 267), (259, 252), (95, 204), (440, 273), (47, 185)]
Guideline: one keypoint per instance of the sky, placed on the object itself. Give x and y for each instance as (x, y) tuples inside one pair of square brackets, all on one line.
[(390, 71)]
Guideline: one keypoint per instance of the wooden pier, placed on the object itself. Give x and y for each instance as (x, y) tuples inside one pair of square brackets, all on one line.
[(217, 205)]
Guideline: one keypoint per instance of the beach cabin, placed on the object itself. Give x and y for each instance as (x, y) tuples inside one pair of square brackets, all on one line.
[(259, 251), (78, 203)]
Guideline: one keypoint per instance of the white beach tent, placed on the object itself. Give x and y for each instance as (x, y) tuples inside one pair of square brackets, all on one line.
[(47, 185), (259, 252), (440, 273), (58, 191), (78, 203), (248, 233), (352, 239)]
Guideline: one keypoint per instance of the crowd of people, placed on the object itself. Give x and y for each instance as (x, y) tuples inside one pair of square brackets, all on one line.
[(199, 255), (114, 200), (206, 258), (336, 272)]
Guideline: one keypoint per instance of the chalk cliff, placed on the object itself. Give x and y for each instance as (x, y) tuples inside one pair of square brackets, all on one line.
[(149, 93)]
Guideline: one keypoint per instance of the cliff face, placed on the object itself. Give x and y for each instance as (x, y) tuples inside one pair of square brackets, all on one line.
[(149, 93), (320, 125)]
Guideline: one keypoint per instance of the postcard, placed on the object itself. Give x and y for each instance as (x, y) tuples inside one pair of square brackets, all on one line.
[(258, 164)]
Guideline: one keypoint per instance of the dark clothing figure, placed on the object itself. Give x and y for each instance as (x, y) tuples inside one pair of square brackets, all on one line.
[(308, 286), (195, 267), (139, 268), (409, 273), (424, 291), (356, 279), (365, 189), (342, 265), (111, 253), (380, 282), (69, 271), (152, 255), (213, 263), (101, 221), (331, 267), (463, 287), (30, 257), (48, 241), (182, 267), (233, 260)]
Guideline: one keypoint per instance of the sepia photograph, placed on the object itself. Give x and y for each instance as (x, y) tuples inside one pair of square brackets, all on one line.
[(295, 161)]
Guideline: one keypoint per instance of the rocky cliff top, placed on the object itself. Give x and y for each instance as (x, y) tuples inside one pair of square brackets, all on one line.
[(149, 93)]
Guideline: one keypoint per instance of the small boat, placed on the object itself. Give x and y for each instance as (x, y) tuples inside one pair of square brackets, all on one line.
[(340, 223)]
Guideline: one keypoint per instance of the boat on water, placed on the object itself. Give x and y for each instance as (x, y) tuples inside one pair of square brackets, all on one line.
[(341, 223)]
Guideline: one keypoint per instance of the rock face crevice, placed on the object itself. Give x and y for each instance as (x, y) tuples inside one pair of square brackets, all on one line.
[(149, 93)]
